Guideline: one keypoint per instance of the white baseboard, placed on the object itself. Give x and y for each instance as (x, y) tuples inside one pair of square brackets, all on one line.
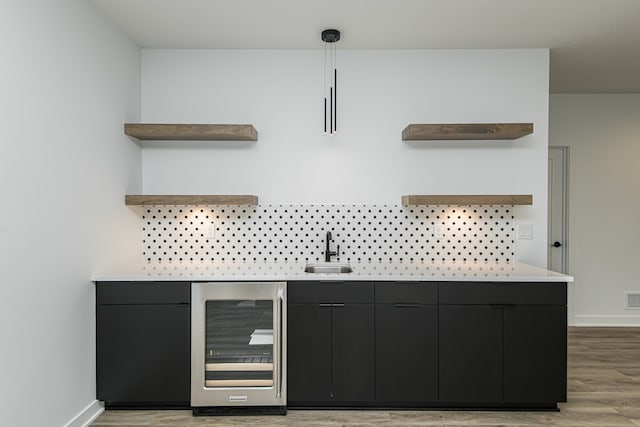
[(87, 415), (605, 320)]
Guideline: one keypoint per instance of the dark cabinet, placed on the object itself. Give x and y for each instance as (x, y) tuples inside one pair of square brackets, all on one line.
[(502, 344), (470, 347), (330, 343), (352, 352), (143, 344), (309, 352), (406, 339), (535, 354), (355, 344)]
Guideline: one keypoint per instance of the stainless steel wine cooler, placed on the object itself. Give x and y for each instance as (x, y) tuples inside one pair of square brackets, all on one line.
[(238, 346)]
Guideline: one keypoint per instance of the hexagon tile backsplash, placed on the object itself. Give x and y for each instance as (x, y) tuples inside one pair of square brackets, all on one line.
[(296, 233)]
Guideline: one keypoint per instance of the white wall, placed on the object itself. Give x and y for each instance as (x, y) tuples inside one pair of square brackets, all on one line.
[(603, 136), (380, 92), (68, 81)]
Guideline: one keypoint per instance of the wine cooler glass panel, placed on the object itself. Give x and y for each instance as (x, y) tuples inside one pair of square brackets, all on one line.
[(239, 343)]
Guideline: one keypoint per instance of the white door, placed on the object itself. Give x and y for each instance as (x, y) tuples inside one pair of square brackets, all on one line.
[(558, 215)]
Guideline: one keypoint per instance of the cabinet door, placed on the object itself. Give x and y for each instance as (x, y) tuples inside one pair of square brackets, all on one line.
[(308, 353), (470, 353), (406, 353), (352, 356), (535, 354), (143, 354)]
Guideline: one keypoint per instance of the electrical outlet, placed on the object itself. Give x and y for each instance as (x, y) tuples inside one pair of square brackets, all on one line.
[(438, 231), (525, 231), (210, 231)]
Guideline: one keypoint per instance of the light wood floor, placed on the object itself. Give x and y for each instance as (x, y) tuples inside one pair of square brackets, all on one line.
[(603, 381)]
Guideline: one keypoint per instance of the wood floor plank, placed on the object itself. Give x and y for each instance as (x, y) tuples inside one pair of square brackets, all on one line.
[(603, 390)]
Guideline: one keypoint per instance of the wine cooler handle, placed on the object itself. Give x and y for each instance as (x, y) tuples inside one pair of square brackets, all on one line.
[(279, 326)]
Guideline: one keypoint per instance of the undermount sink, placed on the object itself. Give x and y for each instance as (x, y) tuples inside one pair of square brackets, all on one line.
[(328, 267)]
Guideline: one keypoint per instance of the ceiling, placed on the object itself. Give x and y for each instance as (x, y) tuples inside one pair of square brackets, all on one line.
[(595, 44)]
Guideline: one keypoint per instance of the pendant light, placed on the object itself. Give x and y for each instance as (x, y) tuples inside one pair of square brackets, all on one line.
[(330, 37)]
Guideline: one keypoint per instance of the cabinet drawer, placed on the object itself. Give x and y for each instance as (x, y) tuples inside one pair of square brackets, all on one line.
[(406, 292), (521, 293), (143, 293), (314, 292)]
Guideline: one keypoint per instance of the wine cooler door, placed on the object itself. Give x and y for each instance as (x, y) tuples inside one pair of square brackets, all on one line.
[(237, 344)]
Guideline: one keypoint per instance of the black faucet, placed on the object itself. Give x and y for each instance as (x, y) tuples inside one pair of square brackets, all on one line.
[(328, 253)]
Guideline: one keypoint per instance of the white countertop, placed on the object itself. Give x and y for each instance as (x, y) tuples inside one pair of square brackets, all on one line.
[(287, 271)]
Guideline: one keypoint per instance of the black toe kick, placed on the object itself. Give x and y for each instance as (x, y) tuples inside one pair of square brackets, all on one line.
[(238, 410), (429, 406), (529, 407)]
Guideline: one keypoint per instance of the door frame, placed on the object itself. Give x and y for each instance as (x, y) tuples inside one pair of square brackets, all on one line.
[(565, 210)]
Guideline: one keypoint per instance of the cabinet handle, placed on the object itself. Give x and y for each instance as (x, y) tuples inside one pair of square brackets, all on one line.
[(337, 305), (279, 329), (325, 305), (502, 305), (406, 305)]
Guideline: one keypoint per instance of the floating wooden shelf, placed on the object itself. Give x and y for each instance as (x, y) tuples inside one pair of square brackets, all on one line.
[(190, 200), (462, 131), (191, 132), (498, 199)]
